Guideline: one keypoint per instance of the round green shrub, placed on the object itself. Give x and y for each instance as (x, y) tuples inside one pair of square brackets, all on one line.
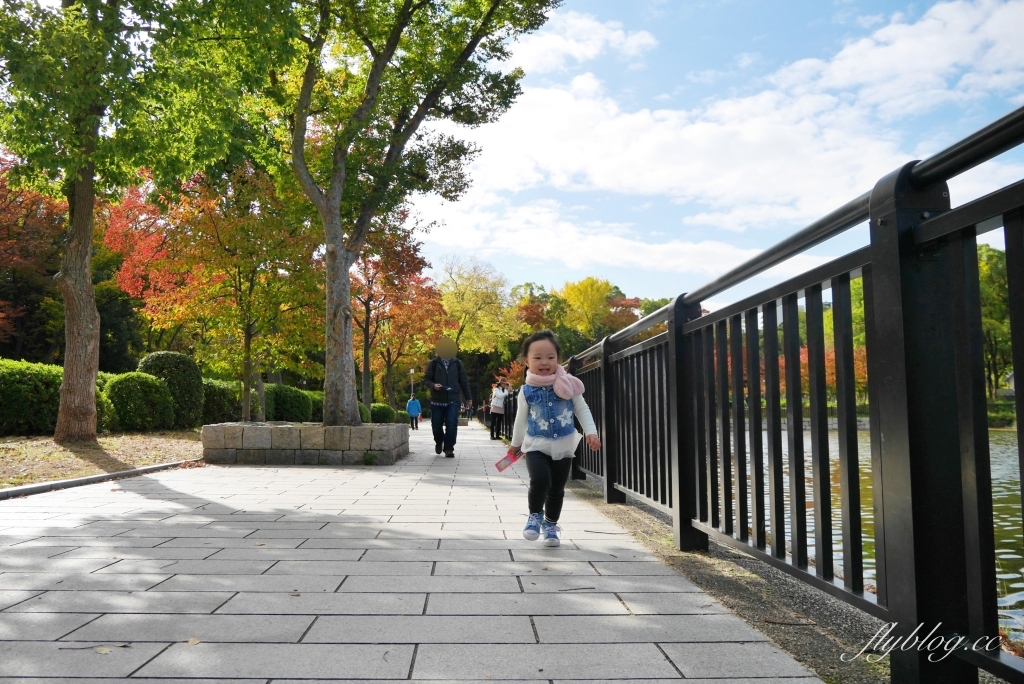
[(317, 399), (184, 381), (402, 417), (382, 413), (29, 397), (102, 378), (106, 416), (364, 413), (290, 403), (141, 401), (220, 402)]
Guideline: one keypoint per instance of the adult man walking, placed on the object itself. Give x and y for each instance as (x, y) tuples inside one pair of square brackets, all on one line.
[(445, 377)]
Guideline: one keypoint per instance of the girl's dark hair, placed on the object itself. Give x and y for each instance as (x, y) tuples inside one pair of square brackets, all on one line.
[(537, 337)]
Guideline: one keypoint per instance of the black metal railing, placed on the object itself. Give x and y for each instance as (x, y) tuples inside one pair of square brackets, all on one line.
[(724, 419)]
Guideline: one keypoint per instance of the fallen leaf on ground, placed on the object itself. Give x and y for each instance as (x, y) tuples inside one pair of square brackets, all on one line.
[(193, 641), (102, 650), (260, 544), (294, 593)]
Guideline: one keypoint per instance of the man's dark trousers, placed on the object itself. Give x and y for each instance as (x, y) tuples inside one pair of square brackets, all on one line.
[(444, 421)]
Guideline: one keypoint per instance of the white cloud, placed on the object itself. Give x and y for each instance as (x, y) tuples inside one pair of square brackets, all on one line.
[(571, 37), (819, 134)]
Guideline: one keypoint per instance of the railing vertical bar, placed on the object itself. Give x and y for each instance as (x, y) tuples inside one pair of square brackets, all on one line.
[(664, 387), (773, 418), (711, 416), (1013, 223), (795, 430), (846, 424), (975, 463), (877, 484), (699, 400), (642, 453), (725, 451), (754, 421), (820, 472), (739, 447)]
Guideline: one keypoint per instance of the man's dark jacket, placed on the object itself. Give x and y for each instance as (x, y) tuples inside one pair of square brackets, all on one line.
[(454, 378)]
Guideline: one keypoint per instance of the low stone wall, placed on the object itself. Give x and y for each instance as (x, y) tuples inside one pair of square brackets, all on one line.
[(279, 443)]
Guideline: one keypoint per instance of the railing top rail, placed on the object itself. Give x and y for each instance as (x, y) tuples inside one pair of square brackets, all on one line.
[(992, 140)]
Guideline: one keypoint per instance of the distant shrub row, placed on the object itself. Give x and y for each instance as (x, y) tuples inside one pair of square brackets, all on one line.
[(167, 392)]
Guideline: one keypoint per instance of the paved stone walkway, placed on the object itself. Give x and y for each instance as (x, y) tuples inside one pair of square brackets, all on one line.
[(415, 571)]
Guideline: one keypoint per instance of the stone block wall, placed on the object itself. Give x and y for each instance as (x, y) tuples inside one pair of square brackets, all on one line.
[(280, 443)]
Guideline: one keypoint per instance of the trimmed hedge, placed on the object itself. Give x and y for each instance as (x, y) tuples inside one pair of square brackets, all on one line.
[(382, 413), (364, 413), (402, 417), (30, 397), (220, 402), (102, 378), (184, 381), (142, 402), (316, 397), (106, 414), (289, 403)]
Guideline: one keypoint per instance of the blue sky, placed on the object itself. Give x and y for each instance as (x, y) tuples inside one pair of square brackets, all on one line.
[(659, 143)]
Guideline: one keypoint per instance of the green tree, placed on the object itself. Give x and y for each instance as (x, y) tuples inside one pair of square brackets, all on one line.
[(94, 89), (477, 297), (350, 104), (995, 316)]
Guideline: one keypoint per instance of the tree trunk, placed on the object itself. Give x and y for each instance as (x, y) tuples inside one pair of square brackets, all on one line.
[(247, 377), (340, 403), (367, 374), (76, 419), (262, 393)]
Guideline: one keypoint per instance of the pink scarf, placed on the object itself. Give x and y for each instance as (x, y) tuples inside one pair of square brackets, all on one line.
[(566, 386)]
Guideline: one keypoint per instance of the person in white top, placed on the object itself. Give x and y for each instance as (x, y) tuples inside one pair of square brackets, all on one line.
[(498, 397), (544, 431)]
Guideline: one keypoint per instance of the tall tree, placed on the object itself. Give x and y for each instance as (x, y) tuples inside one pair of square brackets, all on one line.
[(477, 296), (29, 225), (233, 263), (414, 321), (367, 76), (379, 278), (90, 91)]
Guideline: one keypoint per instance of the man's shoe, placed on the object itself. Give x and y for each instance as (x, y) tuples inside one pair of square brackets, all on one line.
[(449, 454), (550, 534), (437, 447), (532, 529)]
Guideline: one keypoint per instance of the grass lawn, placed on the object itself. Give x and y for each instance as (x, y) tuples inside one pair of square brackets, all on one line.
[(28, 460)]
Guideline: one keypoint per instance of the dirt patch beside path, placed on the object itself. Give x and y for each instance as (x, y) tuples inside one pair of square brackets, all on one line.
[(31, 460)]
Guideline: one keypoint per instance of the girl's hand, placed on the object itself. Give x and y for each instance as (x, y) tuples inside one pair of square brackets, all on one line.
[(594, 442), (513, 451)]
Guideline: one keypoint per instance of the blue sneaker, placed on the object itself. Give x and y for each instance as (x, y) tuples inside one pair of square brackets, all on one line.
[(551, 533), (532, 529)]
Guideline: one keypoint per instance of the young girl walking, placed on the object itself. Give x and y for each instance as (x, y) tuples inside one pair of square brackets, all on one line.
[(544, 431)]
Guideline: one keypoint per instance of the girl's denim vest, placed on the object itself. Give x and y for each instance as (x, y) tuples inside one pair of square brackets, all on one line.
[(550, 416)]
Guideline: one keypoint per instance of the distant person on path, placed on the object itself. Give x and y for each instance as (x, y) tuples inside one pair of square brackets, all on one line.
[(544, 431), (498, 397), (413, 408), (446, 376)]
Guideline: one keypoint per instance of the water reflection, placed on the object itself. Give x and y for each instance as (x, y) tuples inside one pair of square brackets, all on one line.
[(1006, 507)]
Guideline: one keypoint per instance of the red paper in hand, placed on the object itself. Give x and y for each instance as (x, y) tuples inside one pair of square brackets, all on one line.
[(508, 460)]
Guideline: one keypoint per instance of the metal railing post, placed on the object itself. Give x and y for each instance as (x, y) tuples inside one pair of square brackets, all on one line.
[(577, 472), (913, 367), (609, 457), (682, 435)]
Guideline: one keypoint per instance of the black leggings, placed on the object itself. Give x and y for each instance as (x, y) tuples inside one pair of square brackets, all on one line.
[(414, 422), (496, 420), (547, 483)]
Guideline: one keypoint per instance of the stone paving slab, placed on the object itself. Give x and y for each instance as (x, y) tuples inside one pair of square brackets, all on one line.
[(411, 572), (316, 661), (421, 629)]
